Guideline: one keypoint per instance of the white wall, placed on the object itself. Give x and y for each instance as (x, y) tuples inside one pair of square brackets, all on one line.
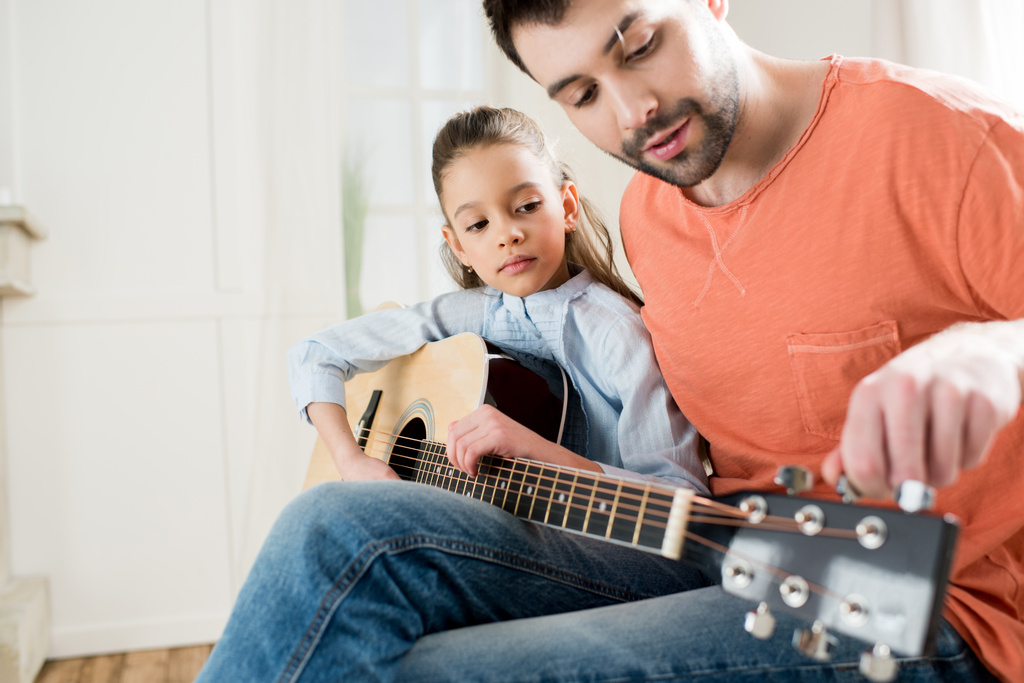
[(137, 379)]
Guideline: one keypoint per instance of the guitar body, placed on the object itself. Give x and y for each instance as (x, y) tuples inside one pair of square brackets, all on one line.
[(424, 392), (871, 573)]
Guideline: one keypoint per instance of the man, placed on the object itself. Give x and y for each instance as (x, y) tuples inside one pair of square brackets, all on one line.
[(802, 232), (792, 234)]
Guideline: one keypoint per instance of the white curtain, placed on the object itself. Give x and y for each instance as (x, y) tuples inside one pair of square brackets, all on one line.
[(980, 39), (276, 141)]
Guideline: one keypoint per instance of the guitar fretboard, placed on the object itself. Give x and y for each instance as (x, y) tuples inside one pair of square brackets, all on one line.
[(642, 515)]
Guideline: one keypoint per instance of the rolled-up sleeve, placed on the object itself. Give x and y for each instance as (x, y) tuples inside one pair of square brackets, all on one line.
[(319, 365), (655, 439)]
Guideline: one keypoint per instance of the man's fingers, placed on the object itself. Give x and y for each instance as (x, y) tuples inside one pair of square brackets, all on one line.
[(906, 408), (946, 434), (862, 448), (983, 422), (832, 467)]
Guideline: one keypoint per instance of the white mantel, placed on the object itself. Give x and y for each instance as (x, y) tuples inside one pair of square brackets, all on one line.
[(24, 601), (18, 229)]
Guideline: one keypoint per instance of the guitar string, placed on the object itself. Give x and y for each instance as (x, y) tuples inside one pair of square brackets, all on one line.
[(427, 450), (769, 522), (765, 525), (780, 574), (658, 519), (735, 517)]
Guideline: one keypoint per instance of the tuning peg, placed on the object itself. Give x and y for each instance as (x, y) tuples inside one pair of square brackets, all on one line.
[(913, 496), (796, 479), (845, 489), (815, 642), (878, 665), (760, 623)]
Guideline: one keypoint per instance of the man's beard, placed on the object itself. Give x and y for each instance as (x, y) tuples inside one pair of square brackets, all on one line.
[(694, 165)]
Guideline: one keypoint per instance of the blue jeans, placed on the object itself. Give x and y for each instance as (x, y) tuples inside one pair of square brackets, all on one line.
[(382, 581)]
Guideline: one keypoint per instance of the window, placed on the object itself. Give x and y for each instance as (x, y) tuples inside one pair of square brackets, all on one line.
[(407, 65)]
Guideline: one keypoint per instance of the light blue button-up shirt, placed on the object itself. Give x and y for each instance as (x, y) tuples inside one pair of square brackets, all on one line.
[(621, 414)]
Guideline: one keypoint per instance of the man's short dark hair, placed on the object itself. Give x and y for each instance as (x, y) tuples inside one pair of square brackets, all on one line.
[(504, 15)]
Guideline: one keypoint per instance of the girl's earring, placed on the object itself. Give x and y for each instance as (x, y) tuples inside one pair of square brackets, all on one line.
[(469, 269)]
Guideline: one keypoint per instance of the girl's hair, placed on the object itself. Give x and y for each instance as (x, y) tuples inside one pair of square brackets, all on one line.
[(589, 245)]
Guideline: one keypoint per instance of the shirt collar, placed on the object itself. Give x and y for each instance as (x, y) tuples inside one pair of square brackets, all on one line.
[(579, 280)]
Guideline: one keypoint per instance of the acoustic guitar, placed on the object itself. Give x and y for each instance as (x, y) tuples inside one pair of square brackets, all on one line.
[(875, 574)]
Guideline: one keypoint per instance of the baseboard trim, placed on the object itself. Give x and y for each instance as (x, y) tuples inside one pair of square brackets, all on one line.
[(24, 627), (129, 636)]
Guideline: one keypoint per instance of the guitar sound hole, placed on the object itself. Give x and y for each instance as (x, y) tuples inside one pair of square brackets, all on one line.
[(407, 452)]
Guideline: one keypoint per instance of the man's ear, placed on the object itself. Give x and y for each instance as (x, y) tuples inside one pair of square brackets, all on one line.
[(453, 243), (571, 205), (719, 8)]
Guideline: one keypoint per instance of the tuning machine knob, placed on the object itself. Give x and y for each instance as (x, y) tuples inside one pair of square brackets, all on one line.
[(846, 491), (878, 665), (913, 496), (796, 479), (815, 642), (760, 622)]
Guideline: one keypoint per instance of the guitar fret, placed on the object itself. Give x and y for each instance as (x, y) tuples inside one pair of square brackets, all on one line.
[(604, 495), (509, 504), (538, 512), (652, 534), (487, 479), (600, 506), (423, 466), (476, 483), (623, 518), (640, 515), (468, 484), (556, 509), (436, 460), (570, 499), (447, 481), (434, 467), (590, 506), (614, 510), (495, 478)]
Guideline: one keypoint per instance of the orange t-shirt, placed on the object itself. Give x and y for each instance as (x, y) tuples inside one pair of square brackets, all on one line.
[(898, 213)]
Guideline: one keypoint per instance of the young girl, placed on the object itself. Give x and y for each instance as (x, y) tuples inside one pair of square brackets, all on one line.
[(535, 264)]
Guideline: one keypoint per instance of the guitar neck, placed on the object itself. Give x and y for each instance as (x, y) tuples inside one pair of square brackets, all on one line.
[(642, 515)]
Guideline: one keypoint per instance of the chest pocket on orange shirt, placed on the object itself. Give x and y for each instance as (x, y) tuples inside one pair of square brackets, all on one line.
[(826, 367)]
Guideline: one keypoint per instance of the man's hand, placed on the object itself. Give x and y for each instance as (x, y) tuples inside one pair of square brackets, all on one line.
[(487, 431), (932, 412)]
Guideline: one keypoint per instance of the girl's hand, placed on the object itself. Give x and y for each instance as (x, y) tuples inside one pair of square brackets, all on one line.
[(488, 431), (362, 467), (331, 423)]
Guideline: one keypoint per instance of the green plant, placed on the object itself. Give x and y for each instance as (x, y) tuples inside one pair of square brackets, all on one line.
[(355, 202)]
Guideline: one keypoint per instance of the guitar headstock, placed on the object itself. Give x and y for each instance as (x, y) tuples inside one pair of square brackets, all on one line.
[(875, 574)]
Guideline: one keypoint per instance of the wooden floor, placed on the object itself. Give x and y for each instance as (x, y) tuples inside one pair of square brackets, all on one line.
[(180, 665)]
